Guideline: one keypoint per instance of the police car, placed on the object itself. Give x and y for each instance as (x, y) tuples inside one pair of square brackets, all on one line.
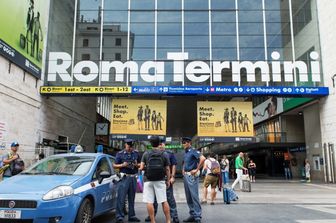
[(72, 187)]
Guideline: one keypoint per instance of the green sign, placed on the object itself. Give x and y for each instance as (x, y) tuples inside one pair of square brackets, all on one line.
[(174, 146), (290, 103), (23, 31)]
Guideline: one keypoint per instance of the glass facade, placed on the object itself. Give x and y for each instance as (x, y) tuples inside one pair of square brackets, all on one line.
[(142, 33)]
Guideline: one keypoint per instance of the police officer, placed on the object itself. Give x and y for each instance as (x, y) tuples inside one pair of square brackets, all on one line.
[(192, 163), (170, 190), (128, 162)]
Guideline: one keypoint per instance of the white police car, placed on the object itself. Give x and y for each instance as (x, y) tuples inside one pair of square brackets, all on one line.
[(65, 188)]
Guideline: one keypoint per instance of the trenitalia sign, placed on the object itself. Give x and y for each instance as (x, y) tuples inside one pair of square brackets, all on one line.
[(194, 71)]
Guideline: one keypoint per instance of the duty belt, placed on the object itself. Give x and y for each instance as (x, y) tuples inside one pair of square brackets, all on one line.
[(127, 175), (189, 173)]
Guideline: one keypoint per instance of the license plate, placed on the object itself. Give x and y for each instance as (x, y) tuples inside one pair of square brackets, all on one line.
[(10, 214)]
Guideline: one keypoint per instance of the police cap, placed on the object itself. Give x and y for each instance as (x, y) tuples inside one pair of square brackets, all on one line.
[(129, 142), (186, 139)]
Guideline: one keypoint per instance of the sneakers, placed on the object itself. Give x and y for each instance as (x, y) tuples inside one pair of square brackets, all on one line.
[(176, 220), (190, 219), (120, 221), (147, 219), (203, 202), (212, 203), (134, 219), (197, 220)]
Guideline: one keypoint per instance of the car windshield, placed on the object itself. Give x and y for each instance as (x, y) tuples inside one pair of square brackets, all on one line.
[(69, 165)]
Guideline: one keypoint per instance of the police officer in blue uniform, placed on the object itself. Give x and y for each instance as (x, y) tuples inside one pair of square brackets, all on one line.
[(192, 163), (128, 162)]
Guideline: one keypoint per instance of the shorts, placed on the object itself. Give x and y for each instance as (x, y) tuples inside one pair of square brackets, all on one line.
[(154, 189), (210, 180)]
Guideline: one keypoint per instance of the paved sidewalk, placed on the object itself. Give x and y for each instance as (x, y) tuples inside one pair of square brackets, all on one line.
[(270, 201), (271, 191)]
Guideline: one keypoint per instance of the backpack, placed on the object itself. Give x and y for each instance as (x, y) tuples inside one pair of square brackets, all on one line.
[(155, 168), (215, 167), (17, 166)]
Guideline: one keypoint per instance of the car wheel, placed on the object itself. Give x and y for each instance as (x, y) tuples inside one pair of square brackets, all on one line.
[(85, 212)]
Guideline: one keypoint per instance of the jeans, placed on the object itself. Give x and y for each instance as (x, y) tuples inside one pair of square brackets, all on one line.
[(225, 177), (239, 179), (191, 184), (126, 186), (288, 174), (171, 202)]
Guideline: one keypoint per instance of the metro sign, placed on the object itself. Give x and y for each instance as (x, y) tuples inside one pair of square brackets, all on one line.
[(195, 71)]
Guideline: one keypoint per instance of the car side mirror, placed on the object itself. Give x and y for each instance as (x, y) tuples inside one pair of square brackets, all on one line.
[(103, 175)]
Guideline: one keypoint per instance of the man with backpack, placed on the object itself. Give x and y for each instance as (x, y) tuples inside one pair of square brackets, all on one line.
[(170, 190), (155, 163), (12, 162), (212, 169), (192, 163)]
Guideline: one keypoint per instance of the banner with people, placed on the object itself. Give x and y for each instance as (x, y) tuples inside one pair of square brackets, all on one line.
[(224, 119), (23, 31), (140, 117)]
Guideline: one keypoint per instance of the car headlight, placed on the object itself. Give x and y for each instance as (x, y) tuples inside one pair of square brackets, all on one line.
[(58, 192)]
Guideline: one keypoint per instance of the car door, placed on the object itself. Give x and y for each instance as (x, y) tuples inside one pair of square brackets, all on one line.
[(103, 190), (114, 185)]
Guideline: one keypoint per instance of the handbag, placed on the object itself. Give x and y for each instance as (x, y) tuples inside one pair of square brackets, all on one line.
[(139, 187)]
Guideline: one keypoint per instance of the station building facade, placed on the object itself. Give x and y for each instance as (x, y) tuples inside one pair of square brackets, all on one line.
[(242, 43)]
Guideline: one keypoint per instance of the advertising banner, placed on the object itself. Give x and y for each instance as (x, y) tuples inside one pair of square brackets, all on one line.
[(267, 109), (224, 119), (23, 30), (138, 117)]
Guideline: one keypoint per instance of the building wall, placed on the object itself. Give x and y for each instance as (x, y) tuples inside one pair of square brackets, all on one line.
[(29, 117), (294, 128), (313, 138), (327, 20)]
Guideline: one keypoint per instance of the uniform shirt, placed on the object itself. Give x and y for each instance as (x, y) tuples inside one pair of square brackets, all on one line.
[(191, 159), (130, 157), (172, 158)]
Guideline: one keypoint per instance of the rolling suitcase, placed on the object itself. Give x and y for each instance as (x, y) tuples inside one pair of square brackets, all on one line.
[(229, 195), (226, 196), (246, 183)]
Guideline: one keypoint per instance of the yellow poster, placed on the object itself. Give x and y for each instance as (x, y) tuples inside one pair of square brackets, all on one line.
[(140, 117), (224, 119)]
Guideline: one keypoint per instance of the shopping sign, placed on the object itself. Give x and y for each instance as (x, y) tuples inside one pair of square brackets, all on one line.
[(194, 71)]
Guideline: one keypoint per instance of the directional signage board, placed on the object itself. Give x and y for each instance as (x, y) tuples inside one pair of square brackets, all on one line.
[(190, 90)]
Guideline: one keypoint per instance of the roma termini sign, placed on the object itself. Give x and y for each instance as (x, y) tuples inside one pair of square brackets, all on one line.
[(195, 71), (183, 70)]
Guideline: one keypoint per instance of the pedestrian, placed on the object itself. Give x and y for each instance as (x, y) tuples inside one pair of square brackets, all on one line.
[(127, 161), (156, 166), (12, 162), (239, 165), (252, 169), (211, 178), (170, 190), (225, 168), (192, 162), (286, 165), (307, 170)]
